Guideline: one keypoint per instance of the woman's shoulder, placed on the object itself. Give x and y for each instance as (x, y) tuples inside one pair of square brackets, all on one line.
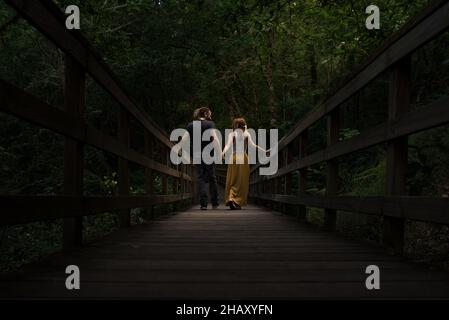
[(246, 134)]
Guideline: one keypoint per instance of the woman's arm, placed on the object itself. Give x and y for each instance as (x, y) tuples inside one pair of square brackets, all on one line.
[(250, 141), (184, 139), (229, 143)]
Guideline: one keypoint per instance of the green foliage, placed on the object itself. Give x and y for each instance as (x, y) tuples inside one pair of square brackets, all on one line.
[(25, 243), (269, 61), (109, 184)]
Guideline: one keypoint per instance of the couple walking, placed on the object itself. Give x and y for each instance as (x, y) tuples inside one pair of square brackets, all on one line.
[(237, 179)]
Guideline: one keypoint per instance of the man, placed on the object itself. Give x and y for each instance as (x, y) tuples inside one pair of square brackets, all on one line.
[(205, 173)]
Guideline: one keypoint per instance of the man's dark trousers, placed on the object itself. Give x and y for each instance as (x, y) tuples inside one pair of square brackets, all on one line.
[(205, 173)]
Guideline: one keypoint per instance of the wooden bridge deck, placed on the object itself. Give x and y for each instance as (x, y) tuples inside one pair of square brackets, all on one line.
[(253, 253)]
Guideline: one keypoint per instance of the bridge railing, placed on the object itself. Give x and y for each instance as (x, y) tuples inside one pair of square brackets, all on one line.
[(394, 206), (80, 60)]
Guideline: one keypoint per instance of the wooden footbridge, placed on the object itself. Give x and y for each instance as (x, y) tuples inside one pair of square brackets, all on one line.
[(266, 251)]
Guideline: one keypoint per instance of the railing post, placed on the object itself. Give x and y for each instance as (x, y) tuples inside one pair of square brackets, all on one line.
[(273, 186), (74, 95), (149, 177), (288, 177), (175, 191), (397, 152), (330, 215), (165, 161), (279, 188), (182, 186), (191, 184), (123, 166), (302, 210)]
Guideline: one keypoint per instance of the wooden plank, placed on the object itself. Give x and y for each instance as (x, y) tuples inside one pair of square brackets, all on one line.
[(74, 96), (228, 291), (18, 103), (225, 275), (26, 209), (397, 152), (149, 263), (415, 208)]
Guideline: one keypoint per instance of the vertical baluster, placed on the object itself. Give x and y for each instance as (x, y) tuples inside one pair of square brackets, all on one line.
[(288, 177), (302, 210), (175, 190), (330, 215), (165, 161), (123, 165), (74, 95), (149, 176), (181, 186), (397, 152)]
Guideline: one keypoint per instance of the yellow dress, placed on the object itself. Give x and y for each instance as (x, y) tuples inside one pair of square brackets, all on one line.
[(237, 180)]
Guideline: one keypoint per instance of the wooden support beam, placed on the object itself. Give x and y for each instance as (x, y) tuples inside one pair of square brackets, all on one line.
[(149, 176), (165, 161), (74, 92), (175, 191), (426, 209), (27, 209), (302, 210), (330, 216), (123, 165), (397, 152), (288, 178)]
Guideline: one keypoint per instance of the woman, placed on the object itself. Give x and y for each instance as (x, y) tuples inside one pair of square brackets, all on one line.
[(237, 179)]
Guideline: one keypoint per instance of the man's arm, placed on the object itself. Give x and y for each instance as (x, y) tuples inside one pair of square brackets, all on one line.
[(216, 139)]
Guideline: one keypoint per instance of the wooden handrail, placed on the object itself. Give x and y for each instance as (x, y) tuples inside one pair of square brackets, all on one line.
[(26, 209), (46, 16), (424, 209), (21, 104), (395, 206), (81, 59), (433, 115), (416, 33)]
